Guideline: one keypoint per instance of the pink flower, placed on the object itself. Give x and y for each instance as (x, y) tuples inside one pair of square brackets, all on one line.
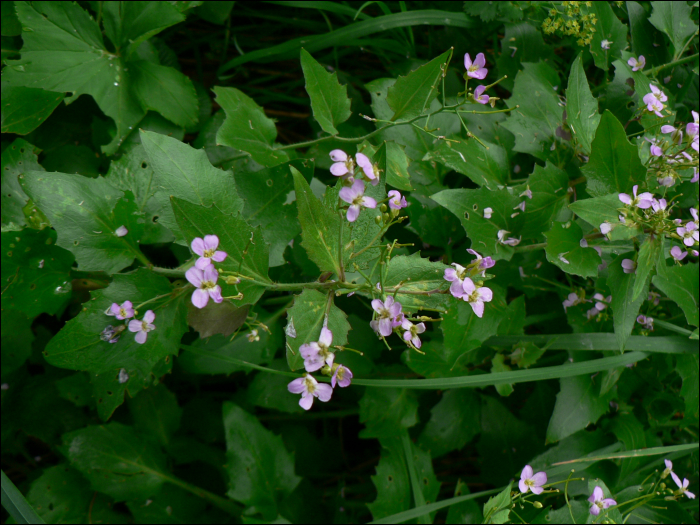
[(629, 266), (605, 228), (342, 163), (643, 200), (125, 311), (456, 277), (143, 327), (658, 205), (653, 104), (678, 254), (317, 354), (205, 282), (476, 69), (637, 63), (476, 297), (207, 250), (646, 322), (396, 201), (510, 241), (692, 127), (367, 166), (479, 95), (355, 196), (121, 231), (482, 263), (682, 487), (531, 481), (387, 311), (689, 233), (696, 176), (599, 501), (601, 302), (342, 376), (309, 388), (412, 331), (656, 151), (660, 95), (572, 300), (667, 181), (605, 44)]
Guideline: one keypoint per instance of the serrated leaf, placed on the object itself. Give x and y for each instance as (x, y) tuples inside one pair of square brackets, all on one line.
[(86, 213), (17, 158), (454, 422), (680, 284), (624, 309), (564, 250), (247, 128), (674, 19), (614, 166), (392, 160), (309, 313), (385, 411), (261, 471), (485, 167), (412, 94), (497, 507), (23, 108), (217, 318), (329, 100), (608, 27), (245, 246), (581, 108), (416, 274), (598, 210), (646, 260), (60, 495)]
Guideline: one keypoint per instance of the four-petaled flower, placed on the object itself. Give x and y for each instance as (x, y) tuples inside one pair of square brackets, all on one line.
[(388, 312), (637, 63), (480, 96), (601, 301), (205, 282), (412, 331), (143, 327), (658, 205), (367, 166), (476, 296), (125, 311), (476, 69), (692, 127), (531, 481), (599, 501), (682, 487), (342, 163), (656, 150), (207, 250), (309, 388), (653, 105), (317, 354), (643, 200), (678, 254), (396, 200), (342, 375), (510, 241), (456, 277), (656, 92), (689, 233), (355, 196)]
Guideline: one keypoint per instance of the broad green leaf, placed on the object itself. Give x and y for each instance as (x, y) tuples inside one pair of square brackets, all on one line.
[(247, 128), (76, 389), (215, 12), (614, 166), (245, 246), (169, 505), (608, 27), (579, 404), (261, 471), (23, 108), (10, 23), (469, 206), (513, 322), (60, 495), (211, 355), (564, 250), (17, 158), (549, 194), (17, 339), (432, 223), (116, 461), (629, 431), (497, 508), (184, 172), (643, 35), (680, 284), (329, 100), (35, 272), (433, 361), (86, 213), (598, 210), (412, 94), (534, 123), (522, 43), (525, 354), (674, 19), (264, 391), (485, 167), (624, 309), (416, 274), (453, 422), (392, 483), (385, 411), (646, 260), (581, 108), (687, 366), (156, 414), (306, 318), (392, 160), (217, 318)]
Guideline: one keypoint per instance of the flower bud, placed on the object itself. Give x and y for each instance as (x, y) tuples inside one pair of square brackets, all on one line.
[(537, 504), (383, 208), (378, 219), (232, 280), (385, 217)]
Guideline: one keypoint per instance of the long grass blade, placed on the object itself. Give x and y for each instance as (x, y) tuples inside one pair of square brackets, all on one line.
[(600, 342), (15, 503)]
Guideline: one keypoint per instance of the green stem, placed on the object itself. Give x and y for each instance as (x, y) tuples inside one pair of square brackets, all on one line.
[(673, 328), (224, 504), (654, 71), (169, 272)]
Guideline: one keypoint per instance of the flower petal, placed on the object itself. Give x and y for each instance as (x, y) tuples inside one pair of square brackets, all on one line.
[(194, 276), (219, 256), (135, 326), (369, 202), (215, 294), (347, 195), (485, 294), (526, 473), (324, 392), (211, 242), (210, 274), (339, 169), (377, 305), (296, 386), (478, 308), (198, 246), (200, 298), (540, 478), (338, 155), (362, 160), (141, 337), (306, 401), (326, 337), (468, 286), (149, 317), (353, 213)]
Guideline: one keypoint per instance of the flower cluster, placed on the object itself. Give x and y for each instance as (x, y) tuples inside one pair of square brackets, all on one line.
[(124, 312), (463, 287), (682, 486), (203, 276), (569, 20)]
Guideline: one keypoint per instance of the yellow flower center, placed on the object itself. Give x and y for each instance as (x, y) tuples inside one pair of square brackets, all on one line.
[(209, 253), (122, 312)]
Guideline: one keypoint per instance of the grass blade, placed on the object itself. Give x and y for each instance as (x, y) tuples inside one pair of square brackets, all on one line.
[(600, 342), (15, 504)]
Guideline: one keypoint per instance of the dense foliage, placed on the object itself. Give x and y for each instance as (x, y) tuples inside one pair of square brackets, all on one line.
[(324, 262)]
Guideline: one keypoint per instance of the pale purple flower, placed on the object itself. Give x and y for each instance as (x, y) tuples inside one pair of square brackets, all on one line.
[(572, 300), (510, 241), (629, 266), (646, 322), (143, 327), (677, 133), (605, 44), (316, 354), (666, 182), (654, 298), (694, 213), (689, 233), (476, 297), (112, 334), (653, 105), (520, 206), (590, 314), (696, 176), (476, 69), (622, 219), (342, 163), (487, 213), (481, 263), (660, 95), (412, 331), (599, 501), (678, 254), (667, 129), (367, 166), (479, 95), (121, 231), (658, 205), (527, 193), (207, 250), (637, 64), (531, 481), (692, 127), (309, 388), (668, 469), (456, 277), (205, 282), (125, 311), (605, 228), (342, 376), (387, 311), (601, 302), (656, 151), (396, 200), (643, 200), (355, 196), (682, 487), (694, 144)]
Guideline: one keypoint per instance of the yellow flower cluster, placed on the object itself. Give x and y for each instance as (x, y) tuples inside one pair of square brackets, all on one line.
[(572, 22)]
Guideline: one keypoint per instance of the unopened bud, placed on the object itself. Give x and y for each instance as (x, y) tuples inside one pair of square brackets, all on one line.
[(385, 217), (378, 219), (383, 208), (232, 280), (537, 505)]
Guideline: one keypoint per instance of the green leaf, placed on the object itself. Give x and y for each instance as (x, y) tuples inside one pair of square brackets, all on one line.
[(687, 366), (14, 503), (261, 471), (598, 210), (247, 128), (214, 354), (417, 274), (217, 318), (549, 194), (412, 94), (608, 27), (680, 284), (485, 167), (646, 260), (498, 365), (525, 354), (629, 431), (522, 42), (170, 505), (643, 35), (10, 23), (535, 122), (306, 317), (392, 160), (391, 481), (17, 158), (61, 495), (156, 414), (424, 484), (496, 509), (23, 109), (385, 411), (675, 20), (453, 422), (564, 250), (578, 404), (624, 309), (614, 166), (86, 213), (17, 339), (329, 100), (245, 246), (264, 391), (35, 272), (467, 511), (116, 461), (432, 223), (581, 108), (184, 172)]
